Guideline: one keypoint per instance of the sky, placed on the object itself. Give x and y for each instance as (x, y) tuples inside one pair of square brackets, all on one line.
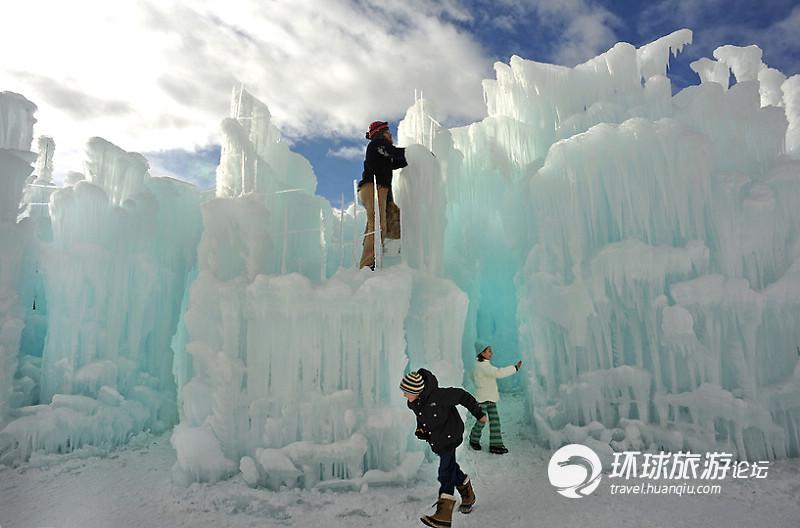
[(156, 76)]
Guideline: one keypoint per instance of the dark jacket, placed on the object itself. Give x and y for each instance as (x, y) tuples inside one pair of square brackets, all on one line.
[(437, 417), (381, 159)]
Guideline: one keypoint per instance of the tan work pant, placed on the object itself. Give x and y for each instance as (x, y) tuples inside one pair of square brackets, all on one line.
[(389, 228)]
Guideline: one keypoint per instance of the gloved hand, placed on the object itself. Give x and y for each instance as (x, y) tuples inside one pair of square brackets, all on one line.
[(421, 434)]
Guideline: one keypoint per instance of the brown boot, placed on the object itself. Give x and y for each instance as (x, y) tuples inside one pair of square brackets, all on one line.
[(467, 496), (444, 512)]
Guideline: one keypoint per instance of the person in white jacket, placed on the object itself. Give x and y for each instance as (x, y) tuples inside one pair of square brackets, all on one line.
[(485, 376)]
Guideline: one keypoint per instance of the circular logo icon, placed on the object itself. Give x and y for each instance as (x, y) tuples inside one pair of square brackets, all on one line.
[(574, 470)]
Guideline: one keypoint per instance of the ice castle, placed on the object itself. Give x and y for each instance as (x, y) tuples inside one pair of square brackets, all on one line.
[(638, 250)]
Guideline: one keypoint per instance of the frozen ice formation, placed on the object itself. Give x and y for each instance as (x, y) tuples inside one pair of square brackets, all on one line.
[(91, 296), (635, 248), (419, 192), (16, 135), (36, 196), (16, 132), (639, 250), (791, 103), (121, 174), (294, 224), (333, 409), (286, 377)]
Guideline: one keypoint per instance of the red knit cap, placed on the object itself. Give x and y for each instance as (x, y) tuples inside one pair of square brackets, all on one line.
[(375, 127)]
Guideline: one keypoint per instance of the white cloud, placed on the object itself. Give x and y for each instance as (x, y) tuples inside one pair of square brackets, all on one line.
[(157, 75), (587, 35), (584, 27), (351, 153)]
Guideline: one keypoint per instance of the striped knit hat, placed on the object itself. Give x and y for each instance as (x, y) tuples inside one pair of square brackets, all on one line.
[(412, 383)]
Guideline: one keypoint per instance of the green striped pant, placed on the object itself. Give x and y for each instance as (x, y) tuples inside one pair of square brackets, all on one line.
[(495, 436)]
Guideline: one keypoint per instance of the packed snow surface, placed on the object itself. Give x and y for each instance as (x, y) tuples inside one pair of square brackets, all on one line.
[(512, 491)]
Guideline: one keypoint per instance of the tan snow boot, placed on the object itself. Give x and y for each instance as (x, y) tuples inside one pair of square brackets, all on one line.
[(444, 512), (467, 496)]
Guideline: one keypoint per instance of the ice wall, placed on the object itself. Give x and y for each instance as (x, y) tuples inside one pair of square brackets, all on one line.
[(44, 160), (17, 130), (296, 223), (16, 133), (36, 196), (300, 380), (791, 102), (419, 192), (634, 248), (285, 374), (253, 156), (347, 229), (122, 174), (113, 278), (475, 251)]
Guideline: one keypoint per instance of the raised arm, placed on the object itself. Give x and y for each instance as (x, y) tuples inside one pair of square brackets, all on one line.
[(398, 157), (456, 396), (494, 372), (395, 156), (506, 371)]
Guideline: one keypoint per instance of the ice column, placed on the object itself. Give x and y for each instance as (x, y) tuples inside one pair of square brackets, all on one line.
[(292, 378), (255, 160), (630, 245), (16, 133), (122, 174), (113, 281), (44, 162), (791, 102), (420, 194), (712, 71), (649, 301), (40, 187), (299, 381)]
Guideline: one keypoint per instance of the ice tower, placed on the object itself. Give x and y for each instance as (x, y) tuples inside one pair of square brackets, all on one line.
[(285, 373), (637, 250), (101, 288), (16, 135)]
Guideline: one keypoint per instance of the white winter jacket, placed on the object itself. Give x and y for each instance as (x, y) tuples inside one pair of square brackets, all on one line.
[(485, 376)]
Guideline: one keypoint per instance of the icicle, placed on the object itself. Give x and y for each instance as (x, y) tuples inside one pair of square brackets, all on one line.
[(341, 233), (322, 246), (376, 238), (243, 172), (431, 136), (239, 104), (355, 223), (285, 239)]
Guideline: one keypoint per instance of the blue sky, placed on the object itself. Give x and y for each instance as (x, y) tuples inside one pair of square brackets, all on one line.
[(160, 80)]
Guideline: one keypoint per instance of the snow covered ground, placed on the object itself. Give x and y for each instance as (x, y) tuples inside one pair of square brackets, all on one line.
[(132, 488)]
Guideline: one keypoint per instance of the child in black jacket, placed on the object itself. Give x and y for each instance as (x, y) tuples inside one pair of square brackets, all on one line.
[(439, 423)]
